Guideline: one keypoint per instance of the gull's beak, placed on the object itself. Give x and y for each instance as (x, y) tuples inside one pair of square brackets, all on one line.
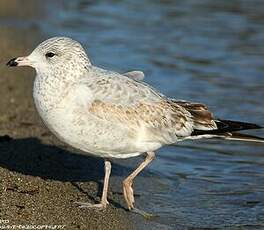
[(19, 61)]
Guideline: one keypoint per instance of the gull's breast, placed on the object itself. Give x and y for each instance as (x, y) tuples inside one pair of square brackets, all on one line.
[(92, 135)]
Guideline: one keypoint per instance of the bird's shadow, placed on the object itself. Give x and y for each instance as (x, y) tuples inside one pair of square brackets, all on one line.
[(31, 157)]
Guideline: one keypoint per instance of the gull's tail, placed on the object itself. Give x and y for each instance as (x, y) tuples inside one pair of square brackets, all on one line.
[(228, 130)]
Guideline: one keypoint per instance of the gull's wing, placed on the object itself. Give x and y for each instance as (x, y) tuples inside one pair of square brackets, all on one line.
[(203, 119), (119, 99), (137, 106), (136, 75), (119, 89)]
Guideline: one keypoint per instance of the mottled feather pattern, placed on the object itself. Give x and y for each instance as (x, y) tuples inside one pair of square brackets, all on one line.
[(118, 89), (54, 45), (121, 99), (163, 116)]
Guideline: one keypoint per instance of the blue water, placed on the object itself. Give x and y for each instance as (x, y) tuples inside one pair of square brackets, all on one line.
[(205, 51)]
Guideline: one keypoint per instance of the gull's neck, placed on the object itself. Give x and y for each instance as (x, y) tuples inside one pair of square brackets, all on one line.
[(50, 89), (52, 85)]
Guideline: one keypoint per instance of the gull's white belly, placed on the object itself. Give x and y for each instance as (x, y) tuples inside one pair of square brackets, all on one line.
[(76, 127)]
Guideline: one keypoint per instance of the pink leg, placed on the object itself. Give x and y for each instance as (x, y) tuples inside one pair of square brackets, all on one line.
[(128, 182), (104, 201)]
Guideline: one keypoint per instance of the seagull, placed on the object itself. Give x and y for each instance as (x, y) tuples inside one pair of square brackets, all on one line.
[(111, 115)]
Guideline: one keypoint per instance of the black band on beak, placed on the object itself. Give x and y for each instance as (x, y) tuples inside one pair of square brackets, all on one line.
[(12, 62)]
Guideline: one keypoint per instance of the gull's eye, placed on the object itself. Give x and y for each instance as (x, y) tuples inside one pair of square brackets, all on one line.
[(49, 54)]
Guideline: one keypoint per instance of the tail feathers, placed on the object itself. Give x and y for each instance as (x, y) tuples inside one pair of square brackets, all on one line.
[(228, 136), (243, 137), (227, 126), (228, 130)]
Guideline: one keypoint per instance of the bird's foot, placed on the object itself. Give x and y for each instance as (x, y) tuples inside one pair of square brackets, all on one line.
[(130, 200), (101, 205), (146, 215)]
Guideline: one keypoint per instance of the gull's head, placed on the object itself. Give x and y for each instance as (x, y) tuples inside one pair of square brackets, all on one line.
[(54, 54)]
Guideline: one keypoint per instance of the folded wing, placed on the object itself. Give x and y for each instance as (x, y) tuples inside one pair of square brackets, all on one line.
[(139, 107)]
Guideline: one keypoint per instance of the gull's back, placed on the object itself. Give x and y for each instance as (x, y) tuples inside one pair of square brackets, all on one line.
[(119, 89), (133, 104)]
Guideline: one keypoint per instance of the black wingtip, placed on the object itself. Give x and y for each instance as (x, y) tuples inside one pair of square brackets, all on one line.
[(227, 126), (232, 126)]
